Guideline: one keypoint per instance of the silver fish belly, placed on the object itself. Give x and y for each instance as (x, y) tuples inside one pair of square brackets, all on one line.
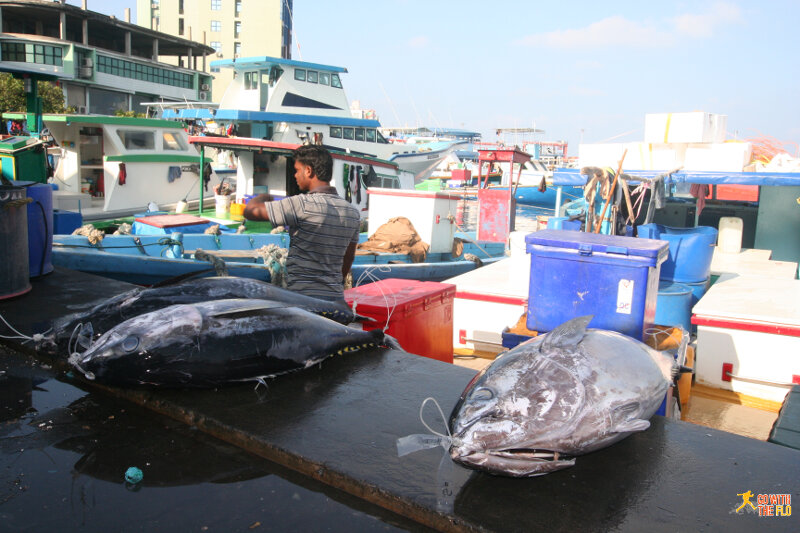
[(217, 342), (559, 395)]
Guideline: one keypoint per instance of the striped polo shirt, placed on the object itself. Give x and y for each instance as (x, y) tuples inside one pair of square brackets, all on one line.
[(321, 225)]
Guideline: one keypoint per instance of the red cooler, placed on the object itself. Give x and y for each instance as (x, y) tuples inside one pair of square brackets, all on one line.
[(420, 313)]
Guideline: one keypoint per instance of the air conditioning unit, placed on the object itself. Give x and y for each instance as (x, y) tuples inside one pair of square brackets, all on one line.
[(219, 54), (204, 87), (237, 56), (81, 109), (203, 95), (85, 73), (87, 62)]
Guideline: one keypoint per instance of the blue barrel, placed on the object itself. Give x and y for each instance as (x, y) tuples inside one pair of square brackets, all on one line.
[(563, 223), (690, 251), (14, 273), (674, 305), (698, 288), (40, 228)]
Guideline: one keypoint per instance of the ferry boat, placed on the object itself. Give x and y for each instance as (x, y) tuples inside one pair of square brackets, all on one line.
[(290, 101)]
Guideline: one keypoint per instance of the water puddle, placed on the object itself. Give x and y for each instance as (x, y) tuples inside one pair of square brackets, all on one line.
[(64, 453)]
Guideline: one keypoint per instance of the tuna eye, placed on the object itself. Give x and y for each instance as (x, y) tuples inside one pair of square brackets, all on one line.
[(130, 343), (482, 394)]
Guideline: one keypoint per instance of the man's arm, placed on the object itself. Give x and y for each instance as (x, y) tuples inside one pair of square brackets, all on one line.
[(255, 208), (349, 255)]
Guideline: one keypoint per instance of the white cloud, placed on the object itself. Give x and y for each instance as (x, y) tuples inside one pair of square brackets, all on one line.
[(418, 41), (620, 31), (702, 25)]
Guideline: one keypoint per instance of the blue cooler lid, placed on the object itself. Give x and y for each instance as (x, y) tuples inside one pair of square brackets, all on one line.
[(592, 243)]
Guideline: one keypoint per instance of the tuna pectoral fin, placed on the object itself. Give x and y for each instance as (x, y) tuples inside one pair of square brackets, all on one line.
[(630, 426), (249, 310)]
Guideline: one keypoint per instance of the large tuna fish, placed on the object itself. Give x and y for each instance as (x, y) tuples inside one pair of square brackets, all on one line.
[(111, 312), (562, 394), (218, 342)]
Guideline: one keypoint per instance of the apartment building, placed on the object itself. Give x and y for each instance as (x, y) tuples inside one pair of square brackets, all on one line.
[(233, 28), (102, 64)]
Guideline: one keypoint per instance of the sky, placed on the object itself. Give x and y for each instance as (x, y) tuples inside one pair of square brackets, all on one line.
[(582, 71)]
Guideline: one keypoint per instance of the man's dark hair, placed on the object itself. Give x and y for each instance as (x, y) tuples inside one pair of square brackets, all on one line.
[(318, 158)]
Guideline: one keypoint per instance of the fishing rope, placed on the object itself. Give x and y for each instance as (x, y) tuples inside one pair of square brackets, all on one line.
[(37, 337), (368, 275), (422, 419), (166, 241)]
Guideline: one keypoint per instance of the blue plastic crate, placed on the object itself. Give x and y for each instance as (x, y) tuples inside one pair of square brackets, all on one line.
[(574, 274)]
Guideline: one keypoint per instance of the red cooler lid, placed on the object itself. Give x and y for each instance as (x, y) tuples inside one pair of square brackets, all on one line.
[(376, 299)]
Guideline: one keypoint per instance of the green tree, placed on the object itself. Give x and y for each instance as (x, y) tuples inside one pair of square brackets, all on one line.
[(12, 95)]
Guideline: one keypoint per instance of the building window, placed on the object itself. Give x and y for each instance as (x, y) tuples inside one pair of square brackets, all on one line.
[(216, 25), (180, 7), (216, 45), (30, 53), (180, 26), (216, 5), (214, 69), (237, 28), (238, 7), (136, 71), (237, 49)]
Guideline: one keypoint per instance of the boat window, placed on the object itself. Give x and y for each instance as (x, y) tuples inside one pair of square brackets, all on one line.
[(324, 78), (336, 132), (347, 133), (371, 135), (312, 76), (172, 141), (250, 80), (275, 74), (300, 74), (136, 139), (381, 138), (335, 81), (359, 134)]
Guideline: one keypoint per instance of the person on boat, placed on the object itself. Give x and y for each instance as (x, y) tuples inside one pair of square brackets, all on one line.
[(322, 225)]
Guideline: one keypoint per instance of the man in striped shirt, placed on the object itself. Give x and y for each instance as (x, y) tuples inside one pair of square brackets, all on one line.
[(323, 226)]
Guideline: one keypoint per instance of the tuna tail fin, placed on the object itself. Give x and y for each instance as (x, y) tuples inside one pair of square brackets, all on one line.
[(362, 318), (568, 334)]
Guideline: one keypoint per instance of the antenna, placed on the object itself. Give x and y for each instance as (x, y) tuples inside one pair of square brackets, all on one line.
[(291, 19), (394, 112)]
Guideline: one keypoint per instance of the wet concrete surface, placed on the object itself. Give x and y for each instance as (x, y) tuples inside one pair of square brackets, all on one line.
[(64, 452), (338, 424)]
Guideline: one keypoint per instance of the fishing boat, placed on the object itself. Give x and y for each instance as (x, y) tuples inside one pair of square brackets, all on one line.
[(108, 166), (290, 101)]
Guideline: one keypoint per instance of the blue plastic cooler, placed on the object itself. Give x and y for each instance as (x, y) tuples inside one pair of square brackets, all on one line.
[(575, 273)]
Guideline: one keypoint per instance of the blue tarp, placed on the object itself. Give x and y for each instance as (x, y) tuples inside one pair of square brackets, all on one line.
[(572, 176)]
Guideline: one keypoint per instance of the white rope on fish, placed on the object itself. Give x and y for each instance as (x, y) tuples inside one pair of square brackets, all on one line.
[(37, 337), (368, 275), (421, 441)]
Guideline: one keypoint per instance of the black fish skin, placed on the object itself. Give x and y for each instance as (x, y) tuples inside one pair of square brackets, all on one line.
[(217, 343), (113, 311)]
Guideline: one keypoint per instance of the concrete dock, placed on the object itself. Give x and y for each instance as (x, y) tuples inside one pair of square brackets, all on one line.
[(338, 424)]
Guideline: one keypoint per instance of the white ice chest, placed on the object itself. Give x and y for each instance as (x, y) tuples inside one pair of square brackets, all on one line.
[(753, 323)]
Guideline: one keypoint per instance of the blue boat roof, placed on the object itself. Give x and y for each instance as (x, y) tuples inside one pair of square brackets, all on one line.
[(266, 116), (188, 113), (573, 176), (267, 61)]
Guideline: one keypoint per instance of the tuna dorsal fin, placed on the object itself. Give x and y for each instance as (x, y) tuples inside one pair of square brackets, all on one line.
[(568, 334)]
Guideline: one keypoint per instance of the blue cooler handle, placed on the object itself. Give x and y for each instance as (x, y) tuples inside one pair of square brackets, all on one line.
[(585, 249), (622, 250)]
